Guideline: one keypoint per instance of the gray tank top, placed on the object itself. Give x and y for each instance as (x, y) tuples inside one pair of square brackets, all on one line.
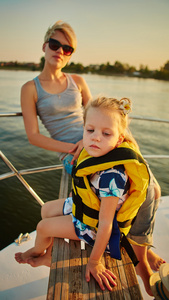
[(61, 114)]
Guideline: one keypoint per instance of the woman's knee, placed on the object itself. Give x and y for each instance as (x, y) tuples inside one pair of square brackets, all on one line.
[(157, 191)]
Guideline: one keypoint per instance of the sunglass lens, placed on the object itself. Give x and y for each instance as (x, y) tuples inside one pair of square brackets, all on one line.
[(67, 50), (54, 44)]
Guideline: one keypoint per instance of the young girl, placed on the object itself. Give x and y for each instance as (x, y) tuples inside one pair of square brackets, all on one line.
[(109, 180)]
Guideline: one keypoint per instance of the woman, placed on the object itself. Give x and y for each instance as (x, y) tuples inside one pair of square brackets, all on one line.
[(56, 97)]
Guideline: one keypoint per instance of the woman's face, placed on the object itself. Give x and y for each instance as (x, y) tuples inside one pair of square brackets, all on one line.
[(57, 57)]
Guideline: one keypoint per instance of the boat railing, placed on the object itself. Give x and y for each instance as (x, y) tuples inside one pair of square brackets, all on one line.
[(18, 174), (11, 114), (19, 114), (64, 178)]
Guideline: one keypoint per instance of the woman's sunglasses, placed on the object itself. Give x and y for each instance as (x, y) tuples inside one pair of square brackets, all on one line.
[(55, 45)]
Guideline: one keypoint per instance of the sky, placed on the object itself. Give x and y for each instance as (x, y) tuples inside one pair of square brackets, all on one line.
[(132, 32)]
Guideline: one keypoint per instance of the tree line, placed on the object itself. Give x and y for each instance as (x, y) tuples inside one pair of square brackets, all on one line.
[(117, 68)]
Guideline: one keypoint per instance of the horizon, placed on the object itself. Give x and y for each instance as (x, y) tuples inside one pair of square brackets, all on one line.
[(132, 32), (22, 63)]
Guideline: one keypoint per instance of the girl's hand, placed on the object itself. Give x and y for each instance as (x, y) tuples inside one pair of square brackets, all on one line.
[(102, 275), (76, 150)]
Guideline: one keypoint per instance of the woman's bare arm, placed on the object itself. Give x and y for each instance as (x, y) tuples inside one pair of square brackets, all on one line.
[(28, 105)]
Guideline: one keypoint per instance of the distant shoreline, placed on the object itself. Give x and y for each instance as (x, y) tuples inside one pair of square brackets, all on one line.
[(118, 69)]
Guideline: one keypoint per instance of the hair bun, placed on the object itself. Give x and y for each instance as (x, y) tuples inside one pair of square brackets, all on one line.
[(125, 105)]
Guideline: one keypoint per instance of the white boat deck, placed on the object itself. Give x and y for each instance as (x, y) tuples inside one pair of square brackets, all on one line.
[(22, 282)]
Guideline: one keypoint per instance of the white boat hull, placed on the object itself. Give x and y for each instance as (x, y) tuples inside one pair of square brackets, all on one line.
[(21, 281)]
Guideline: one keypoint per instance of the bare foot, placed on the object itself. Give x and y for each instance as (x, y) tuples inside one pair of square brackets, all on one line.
[(143, 269), (44, 260), (22, 257), (155, 261), (18, 258)]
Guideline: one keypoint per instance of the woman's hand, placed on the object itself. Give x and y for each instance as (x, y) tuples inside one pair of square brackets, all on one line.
[(75, 151), (102, 275)]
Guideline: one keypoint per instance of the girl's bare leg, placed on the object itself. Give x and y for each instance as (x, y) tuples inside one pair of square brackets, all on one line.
[(44, 260), (52, 208), (143, 268), (36, 251), (60, 226), (49, 209)]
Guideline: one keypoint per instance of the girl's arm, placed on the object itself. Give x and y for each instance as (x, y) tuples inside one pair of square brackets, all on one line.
[(28, 105), (94, 266)]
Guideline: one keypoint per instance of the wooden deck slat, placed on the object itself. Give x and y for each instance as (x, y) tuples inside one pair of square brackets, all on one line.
[(59, 273), (65, 282), (53, 270), (92, 287), (117, 290), (133, 287), (75, 282), (85, 286), (123, 280)]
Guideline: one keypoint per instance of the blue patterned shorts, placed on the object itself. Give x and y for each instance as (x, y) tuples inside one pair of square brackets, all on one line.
[(83, 231)]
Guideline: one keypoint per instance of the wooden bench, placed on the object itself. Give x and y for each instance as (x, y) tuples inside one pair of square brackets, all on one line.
[(67, 273)]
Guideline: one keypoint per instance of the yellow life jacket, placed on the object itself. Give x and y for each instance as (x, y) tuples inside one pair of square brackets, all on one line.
[(86, 204)]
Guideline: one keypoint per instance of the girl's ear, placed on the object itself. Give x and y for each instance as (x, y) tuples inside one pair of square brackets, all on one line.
[(120, 140)]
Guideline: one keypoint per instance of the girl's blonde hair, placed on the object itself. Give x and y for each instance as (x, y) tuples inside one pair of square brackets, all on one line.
[(66, 29), (122, 106)]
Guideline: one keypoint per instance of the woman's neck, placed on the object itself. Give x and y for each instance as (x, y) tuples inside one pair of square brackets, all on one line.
[(51, 73)]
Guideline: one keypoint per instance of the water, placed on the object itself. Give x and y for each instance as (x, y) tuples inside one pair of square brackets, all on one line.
[(19, 212)]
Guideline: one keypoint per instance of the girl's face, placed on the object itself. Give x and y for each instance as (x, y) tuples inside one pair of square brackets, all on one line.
[(57, 57), (101, 131)]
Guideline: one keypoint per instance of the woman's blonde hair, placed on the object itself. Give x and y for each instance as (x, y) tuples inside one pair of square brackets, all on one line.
[(122, 106), (66, 29)]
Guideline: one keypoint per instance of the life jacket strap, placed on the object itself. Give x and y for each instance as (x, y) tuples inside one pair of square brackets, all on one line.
[(118, 240), (81, 209), (129, 249), (114, 241), (126, 223)]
